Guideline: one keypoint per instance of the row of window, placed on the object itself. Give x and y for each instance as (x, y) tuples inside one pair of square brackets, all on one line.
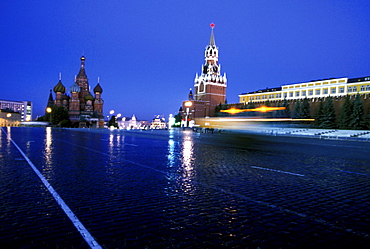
[(309, 92)]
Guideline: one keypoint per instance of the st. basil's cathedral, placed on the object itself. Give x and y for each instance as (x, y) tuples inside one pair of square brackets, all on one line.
[(209, 87), (84, 109)]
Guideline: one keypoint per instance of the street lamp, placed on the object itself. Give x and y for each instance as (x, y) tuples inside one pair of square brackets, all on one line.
[(48, 110), (187, 104)]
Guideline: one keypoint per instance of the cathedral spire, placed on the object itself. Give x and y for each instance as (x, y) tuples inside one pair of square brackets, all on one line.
[(82, 73)]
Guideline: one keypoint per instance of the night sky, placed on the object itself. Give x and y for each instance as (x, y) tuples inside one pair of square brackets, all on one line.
[(147, 53)]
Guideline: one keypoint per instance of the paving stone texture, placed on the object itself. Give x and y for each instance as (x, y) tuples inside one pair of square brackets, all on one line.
[(181, 189)]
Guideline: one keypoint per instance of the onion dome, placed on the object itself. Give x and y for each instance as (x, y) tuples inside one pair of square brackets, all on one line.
[(98, 89), (89, 97), (59, 88), (75, 88)]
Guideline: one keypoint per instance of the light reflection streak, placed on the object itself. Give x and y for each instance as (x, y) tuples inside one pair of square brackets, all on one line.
[(8, 136), (187, 163), (116, 144), (171, 153), (48, 154)]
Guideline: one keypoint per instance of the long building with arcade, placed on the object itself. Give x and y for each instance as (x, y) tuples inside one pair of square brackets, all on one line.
[(334, 87)]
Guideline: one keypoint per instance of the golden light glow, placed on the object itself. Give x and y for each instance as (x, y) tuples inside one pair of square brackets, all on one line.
[(259, 109), (8, 115), (233, 110), (48, 110), (188, 103)]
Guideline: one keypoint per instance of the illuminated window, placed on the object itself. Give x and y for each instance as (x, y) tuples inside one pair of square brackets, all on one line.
[(333, 90), (349, 89), (303, 93), (310, 92), (297, 94), (362, 88), (368, 88), (290, 94), (285, 95), (355, 89), (325, 91), (341, 89), (317, 91)]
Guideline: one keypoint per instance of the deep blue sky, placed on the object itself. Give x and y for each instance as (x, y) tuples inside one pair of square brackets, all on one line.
[(146, 53)]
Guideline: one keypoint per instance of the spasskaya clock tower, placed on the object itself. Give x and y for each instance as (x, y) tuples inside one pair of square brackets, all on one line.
[(211, 85)]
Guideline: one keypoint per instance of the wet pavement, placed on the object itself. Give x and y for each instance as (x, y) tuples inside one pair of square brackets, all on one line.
[(180, 189)]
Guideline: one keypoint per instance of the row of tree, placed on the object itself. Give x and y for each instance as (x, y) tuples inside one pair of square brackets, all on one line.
[(58, 116), (352, 114)]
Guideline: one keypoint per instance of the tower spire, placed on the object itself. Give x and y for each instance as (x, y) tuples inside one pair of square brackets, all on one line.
[(212, 39), (82, 73)]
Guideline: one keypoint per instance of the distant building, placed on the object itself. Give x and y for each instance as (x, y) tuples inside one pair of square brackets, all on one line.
[(9, 117), (131, 123), (209, 87), (158, 122), (23, 107), (315, 91), (84, 109), (334, 87)]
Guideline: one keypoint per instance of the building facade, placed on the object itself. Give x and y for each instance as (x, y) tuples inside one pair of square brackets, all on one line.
[(23, 107), (9, 118), (209, 86), (84, 108), (334, 87)]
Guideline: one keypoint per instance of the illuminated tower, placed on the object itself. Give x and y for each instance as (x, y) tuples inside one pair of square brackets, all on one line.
[(211, 85), (83, 83)]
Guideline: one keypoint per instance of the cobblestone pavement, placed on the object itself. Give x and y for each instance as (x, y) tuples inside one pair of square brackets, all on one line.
[(179, 189)]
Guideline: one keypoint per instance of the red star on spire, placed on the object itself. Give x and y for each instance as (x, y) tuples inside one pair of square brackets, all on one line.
[(212, 25)]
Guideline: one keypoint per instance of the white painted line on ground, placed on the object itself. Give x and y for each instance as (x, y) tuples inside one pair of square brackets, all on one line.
[(76, 222), (351, 172), (275, 170)]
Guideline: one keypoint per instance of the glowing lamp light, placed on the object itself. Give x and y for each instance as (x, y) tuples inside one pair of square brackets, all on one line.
[(48, 110), (8, 115), (233, 110), (267, 109), (111, 112), (259, 109), (188, 103)]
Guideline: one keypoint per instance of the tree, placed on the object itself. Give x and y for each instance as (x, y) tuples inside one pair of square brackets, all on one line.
[(286, 112), (328, 117), (319, 114), (59, 114), (113, 122), (297, 112), (305, 109), (345, 114), (357, 120), (178, 118), (250, 105), (218, 108)]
